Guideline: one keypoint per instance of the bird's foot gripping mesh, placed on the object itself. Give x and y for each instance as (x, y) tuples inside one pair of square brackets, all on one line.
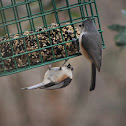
[(37, 32)]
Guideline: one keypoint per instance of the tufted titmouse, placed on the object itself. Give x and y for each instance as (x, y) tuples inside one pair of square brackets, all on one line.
[(55, 78), (91, 47)]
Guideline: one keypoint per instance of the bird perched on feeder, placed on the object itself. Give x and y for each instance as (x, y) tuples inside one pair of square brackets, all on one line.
[(91, 47), (55, 78)]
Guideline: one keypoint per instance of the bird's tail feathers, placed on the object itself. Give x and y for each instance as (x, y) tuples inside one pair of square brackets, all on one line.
[(93, 77), (33, 87)]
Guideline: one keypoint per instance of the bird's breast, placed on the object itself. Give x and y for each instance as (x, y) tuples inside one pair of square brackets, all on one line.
[(83, 51)]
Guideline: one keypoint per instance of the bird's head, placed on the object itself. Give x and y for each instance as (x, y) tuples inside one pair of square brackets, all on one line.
[(69, 67)]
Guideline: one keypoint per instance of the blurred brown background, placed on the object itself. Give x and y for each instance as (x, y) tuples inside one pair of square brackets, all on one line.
[(73, 105)]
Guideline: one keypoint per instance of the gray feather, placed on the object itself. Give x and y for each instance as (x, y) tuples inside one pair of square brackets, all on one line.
[(33, 87), (92, 43), (52, 85)]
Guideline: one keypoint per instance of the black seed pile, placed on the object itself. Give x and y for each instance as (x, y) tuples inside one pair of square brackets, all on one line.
[(33, 42)]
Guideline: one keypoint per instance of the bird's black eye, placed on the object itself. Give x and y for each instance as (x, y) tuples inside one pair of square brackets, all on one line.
[(69, 66), (79, 25)]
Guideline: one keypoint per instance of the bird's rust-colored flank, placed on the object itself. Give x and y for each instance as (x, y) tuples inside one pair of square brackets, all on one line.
[(62, 78), (85, 53)]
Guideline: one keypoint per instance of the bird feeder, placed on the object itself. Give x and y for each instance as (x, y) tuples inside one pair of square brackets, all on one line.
[(28, 45)]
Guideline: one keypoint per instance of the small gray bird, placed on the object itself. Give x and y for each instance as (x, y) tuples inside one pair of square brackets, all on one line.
[(91, 47), (55, 78)]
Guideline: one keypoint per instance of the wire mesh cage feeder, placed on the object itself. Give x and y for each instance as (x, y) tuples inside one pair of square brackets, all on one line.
[(25, 48)]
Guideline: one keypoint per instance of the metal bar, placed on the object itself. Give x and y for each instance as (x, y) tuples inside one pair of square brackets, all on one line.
[(58, 22), (33, 26), (45, 25), (23, 3), (14, 11), (44, 14), (70, 16), (92, 13), (4, 17), (37, 50), (51, 11), (34, 66), (22, 34), (29, 17), (86, 7), (18, 4), (81, 10), (99, 23), (47, 30)]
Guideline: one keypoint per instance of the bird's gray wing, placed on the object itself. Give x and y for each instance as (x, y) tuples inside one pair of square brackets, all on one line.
[(92, 44), (53, 85), (66, 82)]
